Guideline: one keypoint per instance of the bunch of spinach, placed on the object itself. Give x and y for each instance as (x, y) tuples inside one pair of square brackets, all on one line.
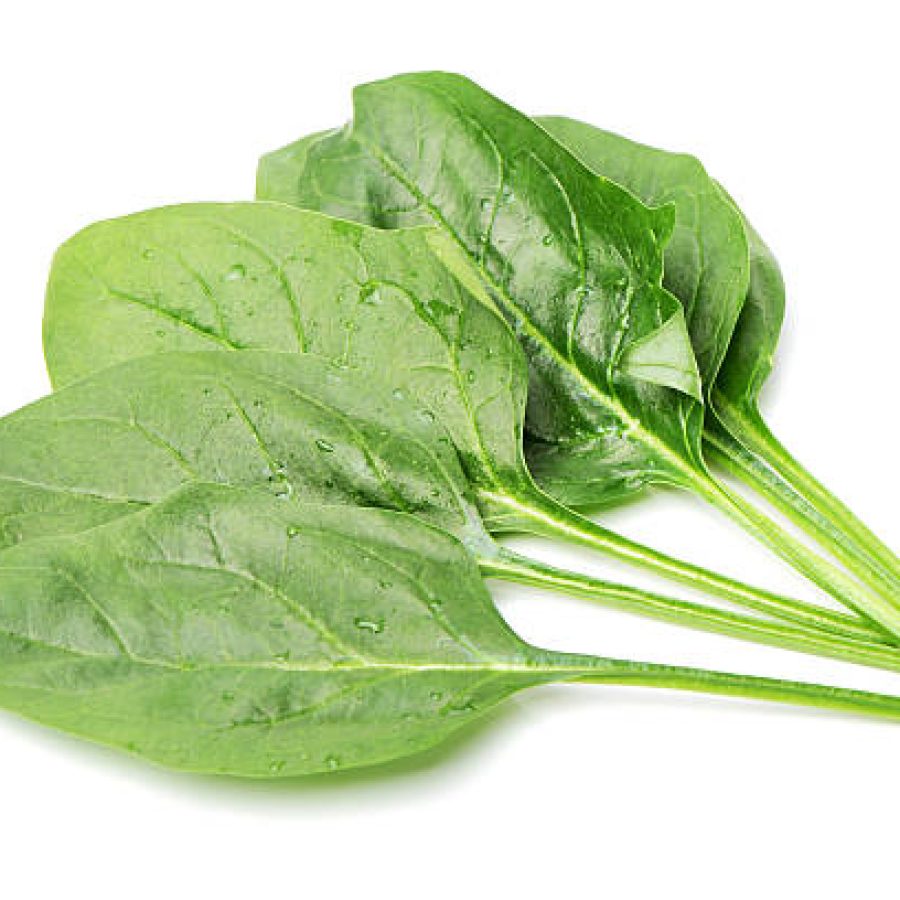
[(399, 309), (223, 631), (270, 562), (297, 426), (701, 270), (575, 262)]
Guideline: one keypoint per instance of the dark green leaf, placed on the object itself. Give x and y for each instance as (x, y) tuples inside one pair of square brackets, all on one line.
[(573, 260), (706, 259)]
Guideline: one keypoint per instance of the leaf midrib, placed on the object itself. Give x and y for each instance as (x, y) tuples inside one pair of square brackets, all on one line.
[(634, 426)]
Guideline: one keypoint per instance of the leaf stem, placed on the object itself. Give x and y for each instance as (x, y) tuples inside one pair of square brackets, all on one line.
[(751, 687), (546, 517), (853, 594), (739, 462), (749, 428), (512, 567)]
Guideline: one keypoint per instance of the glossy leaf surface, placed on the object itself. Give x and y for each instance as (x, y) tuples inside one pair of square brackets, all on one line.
[(130, 435), (401, 309), (706, 260), (573, 260), (229, 632)]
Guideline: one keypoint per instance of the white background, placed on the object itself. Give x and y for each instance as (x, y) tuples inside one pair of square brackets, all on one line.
[(110, 108)]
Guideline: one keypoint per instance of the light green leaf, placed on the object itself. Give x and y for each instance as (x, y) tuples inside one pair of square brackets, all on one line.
[(224, 631)]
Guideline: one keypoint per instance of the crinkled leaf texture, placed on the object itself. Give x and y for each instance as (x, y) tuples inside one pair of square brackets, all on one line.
[(225, 631), (130, 435)]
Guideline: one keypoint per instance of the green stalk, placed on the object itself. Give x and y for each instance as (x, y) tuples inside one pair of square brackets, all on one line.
[(550, 519), (512, 567), (735, 459), (749, 428), (854, 595), (795, 693)]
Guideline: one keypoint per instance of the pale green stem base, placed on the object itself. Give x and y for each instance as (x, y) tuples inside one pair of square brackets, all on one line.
[(550, 519), (795, 693), (512, 567), (736, 460), (750, 430), (834, 581)]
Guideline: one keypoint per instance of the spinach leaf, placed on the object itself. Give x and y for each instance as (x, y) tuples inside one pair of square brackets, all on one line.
[(224, 631), (383, 305), (707, 264), (295, 424), (301, 427), (571, 259), (713, 250)]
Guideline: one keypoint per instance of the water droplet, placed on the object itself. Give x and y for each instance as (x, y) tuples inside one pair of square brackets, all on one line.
[(384, 585), (398, 394), (485, 203), (236, 273), (282, 657), (148, 253), (471, 376), (228, 696), (427, 415), (324, 446), (436, 695), (368, 293), (160, 333), (333, 762), (547, 240), (458, 706), (374, 626), (293, 531), (276, 766)]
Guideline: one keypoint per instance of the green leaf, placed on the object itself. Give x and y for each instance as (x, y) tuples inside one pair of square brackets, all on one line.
[(225, 631), (128, 436), (752, 350), (266, 276), (229, 632), (716, 264), (573, 260), (404, 311), (706, 259)]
